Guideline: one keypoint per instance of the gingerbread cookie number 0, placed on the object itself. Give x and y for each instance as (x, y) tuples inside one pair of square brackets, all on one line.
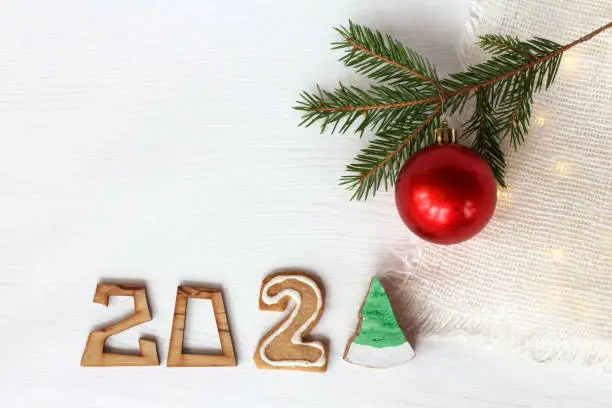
[(284, 347)]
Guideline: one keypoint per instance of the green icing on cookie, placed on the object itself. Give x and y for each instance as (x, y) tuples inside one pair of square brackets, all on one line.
[(379, 327)]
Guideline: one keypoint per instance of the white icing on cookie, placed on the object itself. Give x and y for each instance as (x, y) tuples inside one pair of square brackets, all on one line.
[(376, 357), (297, 336)]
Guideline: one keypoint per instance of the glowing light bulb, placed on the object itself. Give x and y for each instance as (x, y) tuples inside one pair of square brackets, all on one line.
[(503, 194), (562, 168), (505, 199), (581, 309), (558, 254), (605, 243), (571, 62)]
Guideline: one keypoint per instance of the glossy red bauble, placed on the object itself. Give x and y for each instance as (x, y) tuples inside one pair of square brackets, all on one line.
[(446, 193)]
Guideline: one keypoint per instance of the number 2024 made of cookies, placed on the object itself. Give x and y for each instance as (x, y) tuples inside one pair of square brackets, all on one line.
[(378, 341)]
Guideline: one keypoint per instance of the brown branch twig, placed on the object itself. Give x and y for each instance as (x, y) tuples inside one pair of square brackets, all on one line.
[(398, 148), (372, 107)]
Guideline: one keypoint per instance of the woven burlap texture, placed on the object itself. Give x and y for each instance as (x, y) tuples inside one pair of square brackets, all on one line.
[(539, 277)]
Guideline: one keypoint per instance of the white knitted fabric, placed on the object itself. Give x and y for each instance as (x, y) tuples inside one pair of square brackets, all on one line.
[(540, 275)]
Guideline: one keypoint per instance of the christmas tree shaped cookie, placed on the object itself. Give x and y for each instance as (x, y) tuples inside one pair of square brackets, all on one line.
[(378, 341)]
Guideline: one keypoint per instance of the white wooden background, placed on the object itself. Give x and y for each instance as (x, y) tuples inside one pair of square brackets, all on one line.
[(153, 141)]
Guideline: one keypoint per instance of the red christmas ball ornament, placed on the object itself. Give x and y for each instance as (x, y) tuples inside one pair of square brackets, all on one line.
[(446, 193)]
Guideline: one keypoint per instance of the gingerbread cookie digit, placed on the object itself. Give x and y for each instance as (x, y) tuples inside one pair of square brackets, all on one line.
[(284, 346), (94, 355), (176, 357)]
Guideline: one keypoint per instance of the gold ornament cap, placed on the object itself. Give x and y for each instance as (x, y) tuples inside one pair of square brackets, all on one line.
[(444, 134)]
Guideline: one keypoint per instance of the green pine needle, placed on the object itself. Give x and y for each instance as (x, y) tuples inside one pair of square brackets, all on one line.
[(482, 128)]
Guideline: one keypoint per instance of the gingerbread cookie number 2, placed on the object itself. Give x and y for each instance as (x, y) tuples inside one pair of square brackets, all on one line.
[(94, 354), (284, 347)]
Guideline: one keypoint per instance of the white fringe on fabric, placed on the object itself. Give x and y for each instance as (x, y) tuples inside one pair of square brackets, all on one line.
[(426, 320), (539, 277)]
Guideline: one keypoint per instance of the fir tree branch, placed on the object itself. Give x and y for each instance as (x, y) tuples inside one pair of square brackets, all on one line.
[(377, 108), (360, 47), (409, 97), (385, 59), (529, 65), (493, 71)]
